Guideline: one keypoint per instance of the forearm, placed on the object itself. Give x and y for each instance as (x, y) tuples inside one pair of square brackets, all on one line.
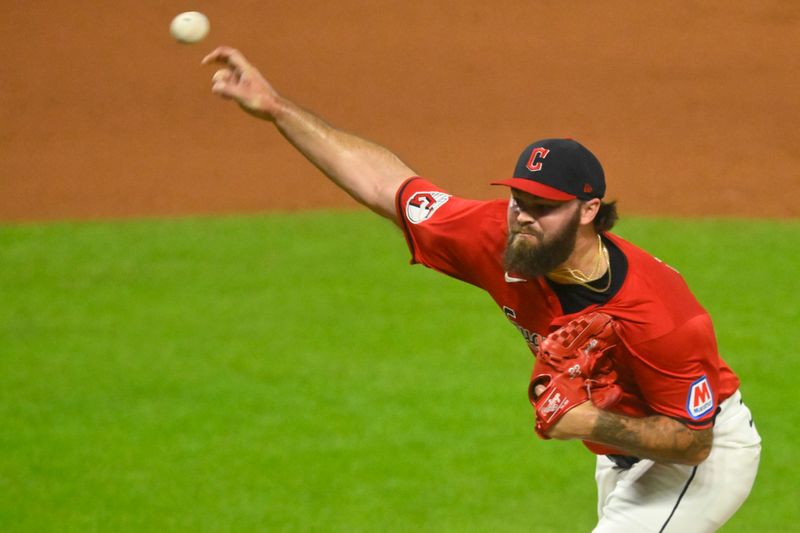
[(369, 173), (659, 438)]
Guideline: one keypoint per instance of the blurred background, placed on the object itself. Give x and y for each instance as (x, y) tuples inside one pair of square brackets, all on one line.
[(281, 368), (691, 106)]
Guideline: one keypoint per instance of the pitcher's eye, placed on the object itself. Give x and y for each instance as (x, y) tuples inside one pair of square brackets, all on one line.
[(536, 208)]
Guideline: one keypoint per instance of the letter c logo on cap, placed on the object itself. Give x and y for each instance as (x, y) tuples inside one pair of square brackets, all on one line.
[(534, 163)]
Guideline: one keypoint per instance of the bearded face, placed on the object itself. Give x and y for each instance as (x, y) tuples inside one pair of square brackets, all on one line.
[(530, 253)]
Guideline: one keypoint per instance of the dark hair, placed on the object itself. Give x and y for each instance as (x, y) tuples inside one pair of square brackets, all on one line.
[(606, 216)]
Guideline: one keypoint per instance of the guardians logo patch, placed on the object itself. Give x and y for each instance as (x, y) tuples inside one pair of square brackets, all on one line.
[(700, 401), (422, 205)]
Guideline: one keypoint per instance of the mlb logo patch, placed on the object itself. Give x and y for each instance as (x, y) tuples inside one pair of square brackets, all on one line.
[(701, 400)]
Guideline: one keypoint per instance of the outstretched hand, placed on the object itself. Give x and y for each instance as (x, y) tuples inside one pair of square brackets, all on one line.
[(240, 81)]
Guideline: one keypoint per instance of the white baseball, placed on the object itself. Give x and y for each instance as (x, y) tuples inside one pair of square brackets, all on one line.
[(189, 27)]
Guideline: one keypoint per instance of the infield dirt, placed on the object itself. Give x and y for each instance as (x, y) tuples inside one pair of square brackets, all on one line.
[(693, 111)]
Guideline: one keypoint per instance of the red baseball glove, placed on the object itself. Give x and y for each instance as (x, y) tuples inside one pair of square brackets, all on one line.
[(574, 367)]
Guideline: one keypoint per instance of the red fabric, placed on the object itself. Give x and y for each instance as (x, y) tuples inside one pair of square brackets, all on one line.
[(573, 365), (537, 189), (670, 364)]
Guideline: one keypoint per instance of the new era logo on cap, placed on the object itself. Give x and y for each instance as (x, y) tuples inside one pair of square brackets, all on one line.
[(558, 169)]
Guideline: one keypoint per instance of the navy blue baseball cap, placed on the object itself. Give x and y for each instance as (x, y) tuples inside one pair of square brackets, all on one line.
[(558, 169)]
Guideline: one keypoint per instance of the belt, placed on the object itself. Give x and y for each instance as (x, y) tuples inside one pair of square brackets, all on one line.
[(623, 461)]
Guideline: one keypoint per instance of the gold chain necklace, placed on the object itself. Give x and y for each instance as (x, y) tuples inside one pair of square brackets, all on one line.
[(574, 276)]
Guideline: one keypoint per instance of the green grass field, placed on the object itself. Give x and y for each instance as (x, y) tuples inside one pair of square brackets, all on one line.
[(293, 373)]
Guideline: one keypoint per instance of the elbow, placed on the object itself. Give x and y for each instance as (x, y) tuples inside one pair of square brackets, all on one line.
[(700, 447), (703, 453), (698, 456), (381, 197)]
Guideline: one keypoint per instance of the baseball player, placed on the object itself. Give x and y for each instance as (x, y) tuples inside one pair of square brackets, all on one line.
[(626, 358)]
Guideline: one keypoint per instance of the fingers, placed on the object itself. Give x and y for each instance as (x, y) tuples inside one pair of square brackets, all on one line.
[(240, 81), (225, 81), (229, 56), (222, 74), (222, 81), (218, 54)]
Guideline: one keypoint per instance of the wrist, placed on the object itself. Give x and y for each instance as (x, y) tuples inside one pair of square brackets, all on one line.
[(578, 423), (279, 109)]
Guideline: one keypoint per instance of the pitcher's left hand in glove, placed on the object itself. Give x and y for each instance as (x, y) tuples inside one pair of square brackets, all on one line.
[(574, 367)]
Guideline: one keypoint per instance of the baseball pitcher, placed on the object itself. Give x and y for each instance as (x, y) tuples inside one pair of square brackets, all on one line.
[(626, 358)]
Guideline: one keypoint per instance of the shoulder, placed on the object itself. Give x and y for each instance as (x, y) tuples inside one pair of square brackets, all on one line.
[(420, 201), (460, 237), (642, 258), (648, 275), (654, 299)]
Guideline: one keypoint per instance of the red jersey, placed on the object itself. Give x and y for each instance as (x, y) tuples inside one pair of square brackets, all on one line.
[(669, 364)]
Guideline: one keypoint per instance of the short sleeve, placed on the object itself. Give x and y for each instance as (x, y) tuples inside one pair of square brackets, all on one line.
[(678, 373), (458, 237)]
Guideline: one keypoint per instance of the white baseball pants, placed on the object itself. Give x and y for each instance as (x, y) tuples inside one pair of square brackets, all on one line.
[(661, 497)]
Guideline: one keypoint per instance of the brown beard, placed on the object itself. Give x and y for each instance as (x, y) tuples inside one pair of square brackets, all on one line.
[(533, 260)]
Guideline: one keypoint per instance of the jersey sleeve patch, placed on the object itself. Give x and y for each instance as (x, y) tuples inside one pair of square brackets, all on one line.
[(422, 205), (701, 400)]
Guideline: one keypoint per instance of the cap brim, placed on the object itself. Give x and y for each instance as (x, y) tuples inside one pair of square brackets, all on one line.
[(535, 188)]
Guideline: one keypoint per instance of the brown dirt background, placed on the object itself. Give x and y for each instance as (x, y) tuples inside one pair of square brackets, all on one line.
[(693, 107)]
